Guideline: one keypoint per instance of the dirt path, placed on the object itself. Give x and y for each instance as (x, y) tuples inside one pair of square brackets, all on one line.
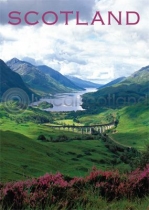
[(111, 138)]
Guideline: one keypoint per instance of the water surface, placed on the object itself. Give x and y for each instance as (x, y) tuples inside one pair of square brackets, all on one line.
[(66, 101)]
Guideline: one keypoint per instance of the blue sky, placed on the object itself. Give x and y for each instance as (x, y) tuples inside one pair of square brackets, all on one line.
[(97, 53)]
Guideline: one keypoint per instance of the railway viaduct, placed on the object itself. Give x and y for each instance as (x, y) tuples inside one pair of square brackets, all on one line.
[(87, 129)]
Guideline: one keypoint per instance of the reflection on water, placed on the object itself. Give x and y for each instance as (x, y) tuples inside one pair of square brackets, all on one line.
[(66, 101)]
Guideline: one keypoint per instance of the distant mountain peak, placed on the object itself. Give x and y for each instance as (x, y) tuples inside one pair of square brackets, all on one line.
[(45, 80), (14, 60), (82, 83), (59, 77), (2, 62), (17, 61)]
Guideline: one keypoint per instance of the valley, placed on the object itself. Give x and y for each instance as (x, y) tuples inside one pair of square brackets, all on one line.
[(62, 149), (41, 140)]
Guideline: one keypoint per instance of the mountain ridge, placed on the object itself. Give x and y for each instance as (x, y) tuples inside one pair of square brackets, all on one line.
[(58, 77), (10, 79), (113, 82), (83, 83), (130, 90), (35, 78)]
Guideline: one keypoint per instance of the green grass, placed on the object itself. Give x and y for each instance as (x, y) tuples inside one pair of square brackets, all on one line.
[(92, 202), (45, 105), (101, 118), (67, 122), (24, 124), (133, 127), (23, 157)]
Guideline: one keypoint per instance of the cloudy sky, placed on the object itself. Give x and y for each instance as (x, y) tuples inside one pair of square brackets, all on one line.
[(99, 53)]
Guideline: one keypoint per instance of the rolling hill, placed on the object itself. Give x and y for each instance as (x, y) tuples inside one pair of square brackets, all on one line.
[(133, 126), (23, 157)]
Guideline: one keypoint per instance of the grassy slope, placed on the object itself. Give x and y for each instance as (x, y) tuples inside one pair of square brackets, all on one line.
[(101, 118), (133, 127), (74, 157), (68, 122), (31, 129), (22, 156), (22, 153)]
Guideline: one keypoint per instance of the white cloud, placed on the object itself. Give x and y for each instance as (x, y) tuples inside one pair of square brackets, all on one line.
[(98, 53), (42, 6)]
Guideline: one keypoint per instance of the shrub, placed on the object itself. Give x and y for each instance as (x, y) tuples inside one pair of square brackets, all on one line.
[(41, 137), (50, 189), (61, 138)]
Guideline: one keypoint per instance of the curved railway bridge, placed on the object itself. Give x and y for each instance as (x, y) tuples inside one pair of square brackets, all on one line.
[(101, 128)]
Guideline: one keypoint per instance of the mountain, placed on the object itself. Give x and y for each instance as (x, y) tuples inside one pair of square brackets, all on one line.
[(131, 90), (139, 77), (83, 83), (59, 77), (36, 79), (10, 79), (113, 82)]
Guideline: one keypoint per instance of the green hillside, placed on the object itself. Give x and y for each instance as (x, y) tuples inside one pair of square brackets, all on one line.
[(130, 91), (71, 153), (133, 126), (113, 82), (22, 157), (139, 77)]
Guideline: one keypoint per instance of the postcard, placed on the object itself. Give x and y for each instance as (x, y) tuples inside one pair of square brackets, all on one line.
[(74, 104)]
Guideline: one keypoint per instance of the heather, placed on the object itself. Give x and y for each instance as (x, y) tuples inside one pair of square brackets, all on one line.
[(65, 192)]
